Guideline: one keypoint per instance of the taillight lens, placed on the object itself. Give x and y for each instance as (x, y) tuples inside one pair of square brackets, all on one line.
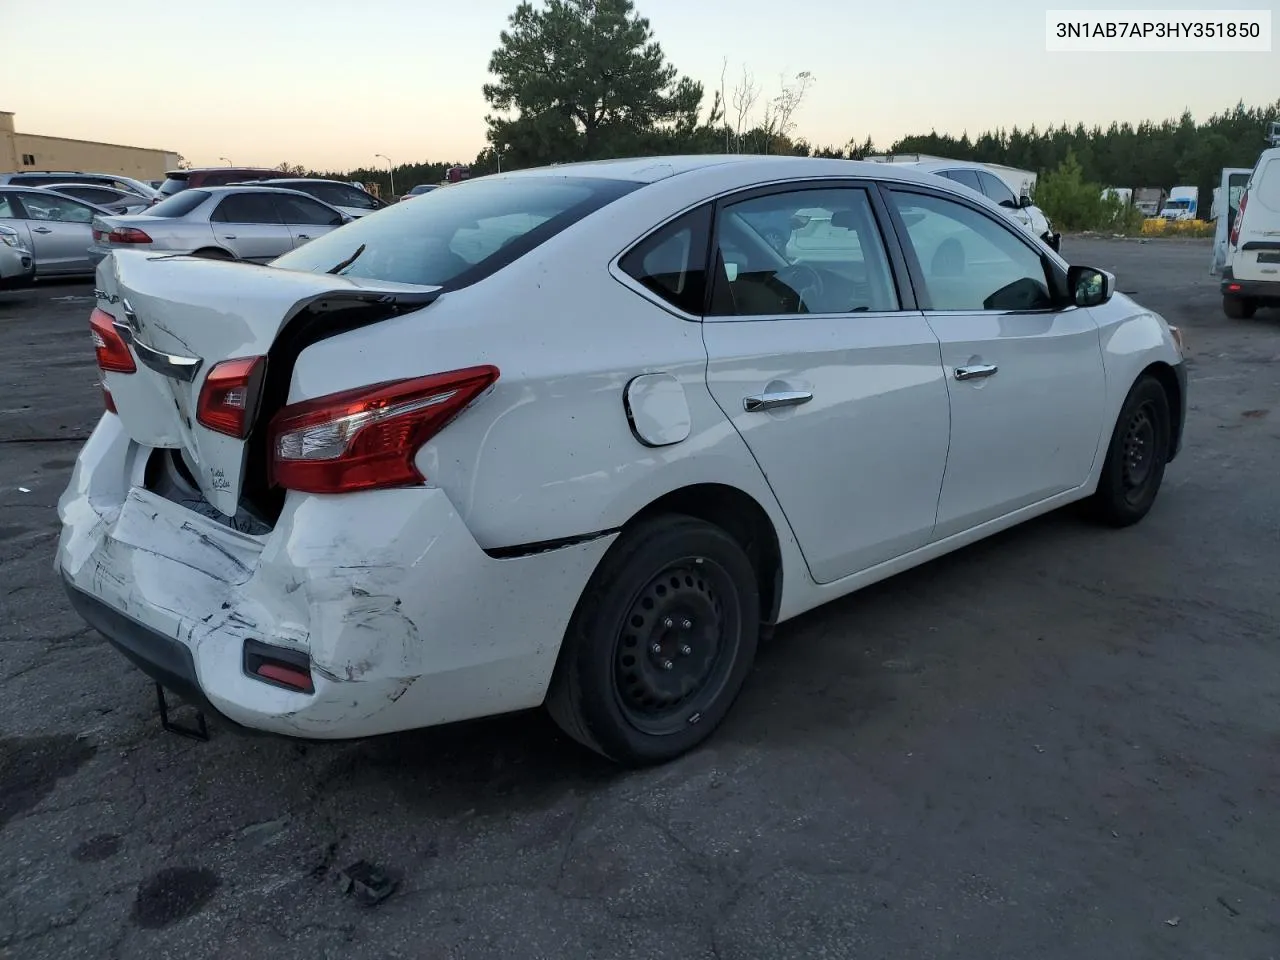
[(367, 438), (113, 353), (229, 395), (128, 235), (1235, 228)]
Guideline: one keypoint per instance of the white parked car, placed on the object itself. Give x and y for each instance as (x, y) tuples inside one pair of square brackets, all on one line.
[(17, 266), (1251, 276), (579, 435), (250, 223), (978, 178)]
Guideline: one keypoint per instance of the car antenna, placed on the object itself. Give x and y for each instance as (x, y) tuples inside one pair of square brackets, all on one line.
[(347, 262)]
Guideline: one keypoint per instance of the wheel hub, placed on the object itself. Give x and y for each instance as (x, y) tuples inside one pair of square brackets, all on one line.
[(670, 641), (1139, 442)]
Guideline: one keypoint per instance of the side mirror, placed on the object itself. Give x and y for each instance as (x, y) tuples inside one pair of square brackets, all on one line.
[(1089, 286), (1010, 204), (1025, 202)]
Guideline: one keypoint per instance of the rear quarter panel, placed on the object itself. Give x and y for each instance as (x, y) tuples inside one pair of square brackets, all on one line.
[(549, 453)]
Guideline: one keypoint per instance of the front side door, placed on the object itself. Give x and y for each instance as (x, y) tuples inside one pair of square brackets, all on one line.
[(61, 232), (1234, 180), (828, 372), (305, 218), (250, 226), (12, 215), (1024, 373)]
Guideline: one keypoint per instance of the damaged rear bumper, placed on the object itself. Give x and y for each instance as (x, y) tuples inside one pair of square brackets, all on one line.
[(401, 618)]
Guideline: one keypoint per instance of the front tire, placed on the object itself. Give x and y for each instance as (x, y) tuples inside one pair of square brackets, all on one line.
[(1239, 308), (661, 643), (1136, 457)]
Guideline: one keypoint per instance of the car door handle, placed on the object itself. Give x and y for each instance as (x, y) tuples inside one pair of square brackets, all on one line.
[(976, 372), (41, 230), (228, 236), (303, 236), (772, 401)]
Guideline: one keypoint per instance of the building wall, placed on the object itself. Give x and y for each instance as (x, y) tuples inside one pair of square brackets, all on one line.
[(27, 151)]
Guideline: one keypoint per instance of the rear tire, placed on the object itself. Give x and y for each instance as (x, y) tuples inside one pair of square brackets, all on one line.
[(660, 644), (213, 253), (1239, 308), (1136, 457)]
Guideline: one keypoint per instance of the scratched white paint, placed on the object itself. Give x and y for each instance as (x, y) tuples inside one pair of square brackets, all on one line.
[(407, 618)]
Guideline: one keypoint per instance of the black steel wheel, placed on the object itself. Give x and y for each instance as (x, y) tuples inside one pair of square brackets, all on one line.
[(660, 644), (1136, 458)]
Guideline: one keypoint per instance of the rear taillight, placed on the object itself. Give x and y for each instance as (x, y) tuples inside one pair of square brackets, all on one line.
[(127, 235), (229, 395), (113, 353), (1235, 228), (367, 438)]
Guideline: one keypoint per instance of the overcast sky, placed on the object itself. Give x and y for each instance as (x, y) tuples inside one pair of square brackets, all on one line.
[(329, 83)]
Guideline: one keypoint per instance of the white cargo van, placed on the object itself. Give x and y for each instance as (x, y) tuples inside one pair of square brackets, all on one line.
[(1251, 275)]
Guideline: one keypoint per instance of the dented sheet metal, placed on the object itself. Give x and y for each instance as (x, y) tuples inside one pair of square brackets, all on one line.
[(407, 622)]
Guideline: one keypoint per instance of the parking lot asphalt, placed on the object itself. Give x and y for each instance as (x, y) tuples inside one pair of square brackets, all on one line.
[(1063, 742)]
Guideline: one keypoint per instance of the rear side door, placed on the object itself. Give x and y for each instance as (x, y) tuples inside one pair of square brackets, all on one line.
[(1234, 180), (828, 372), (61, 232), (306, 218), (250, 226), (1024, 373)]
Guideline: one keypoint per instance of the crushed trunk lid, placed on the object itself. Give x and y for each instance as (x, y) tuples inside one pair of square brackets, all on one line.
[(181, 316)]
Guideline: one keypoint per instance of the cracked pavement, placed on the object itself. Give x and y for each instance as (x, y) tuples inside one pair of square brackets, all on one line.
[(1061, 743)]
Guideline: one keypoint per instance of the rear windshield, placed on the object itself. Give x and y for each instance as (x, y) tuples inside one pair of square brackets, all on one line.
[(178, 205), (173, 185), (462, 233)]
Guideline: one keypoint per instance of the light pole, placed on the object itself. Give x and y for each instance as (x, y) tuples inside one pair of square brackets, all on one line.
[(229, 163), (498, 153), (390, 170)]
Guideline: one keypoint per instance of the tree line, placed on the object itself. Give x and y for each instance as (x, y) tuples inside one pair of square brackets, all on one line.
[(586, 80)]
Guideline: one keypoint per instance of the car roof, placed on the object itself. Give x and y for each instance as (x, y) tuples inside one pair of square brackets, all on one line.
[(653, 169), (46, 190), (221, 191), (180, 174)]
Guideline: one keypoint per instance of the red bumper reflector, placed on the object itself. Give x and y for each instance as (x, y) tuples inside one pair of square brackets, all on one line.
[(286, 676)]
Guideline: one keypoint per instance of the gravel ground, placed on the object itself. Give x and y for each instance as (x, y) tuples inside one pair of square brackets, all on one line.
[(1060, 743)]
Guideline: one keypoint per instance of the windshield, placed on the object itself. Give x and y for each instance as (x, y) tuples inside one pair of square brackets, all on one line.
[(447, 233)]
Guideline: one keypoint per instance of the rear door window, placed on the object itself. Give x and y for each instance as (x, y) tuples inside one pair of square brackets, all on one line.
[(832, 258), (247, 208), (968, 178), (672, 262), (459, 235)]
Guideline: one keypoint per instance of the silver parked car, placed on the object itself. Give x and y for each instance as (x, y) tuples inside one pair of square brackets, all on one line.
[(45, 178), (108, 198), (228, 223), (57, 229)]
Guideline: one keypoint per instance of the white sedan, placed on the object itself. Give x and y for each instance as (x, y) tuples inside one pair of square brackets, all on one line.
[(580, 435)]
